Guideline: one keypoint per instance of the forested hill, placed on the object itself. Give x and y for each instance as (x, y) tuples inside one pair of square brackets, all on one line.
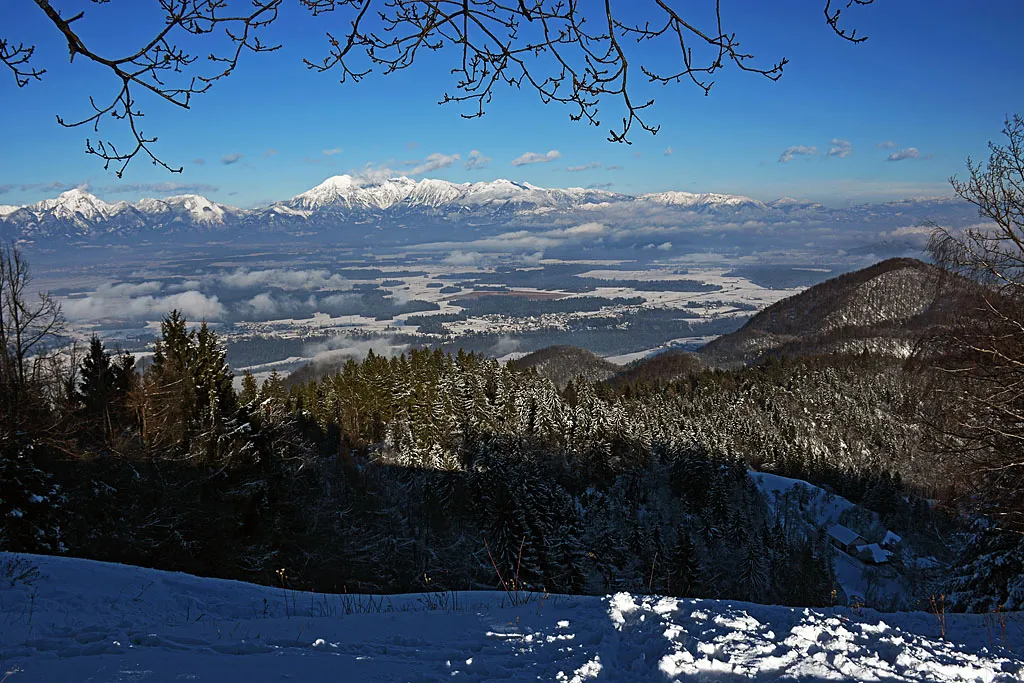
[(883, 308), (662, 368), (564, 364)]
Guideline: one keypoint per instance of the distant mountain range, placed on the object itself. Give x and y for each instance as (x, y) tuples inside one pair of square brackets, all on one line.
[(348, 206)]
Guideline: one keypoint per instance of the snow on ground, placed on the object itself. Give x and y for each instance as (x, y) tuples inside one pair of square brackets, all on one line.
[(824, 507), (627, 358), (687, 343), (90, 621), (732, 287)]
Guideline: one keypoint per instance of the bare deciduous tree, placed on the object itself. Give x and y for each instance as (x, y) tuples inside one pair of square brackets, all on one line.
[(26, 324), (571, 52), (982, 354)]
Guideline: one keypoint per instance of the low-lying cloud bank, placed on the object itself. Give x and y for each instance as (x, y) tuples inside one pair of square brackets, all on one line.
[(117, 301), (337, 349), (310, 280)]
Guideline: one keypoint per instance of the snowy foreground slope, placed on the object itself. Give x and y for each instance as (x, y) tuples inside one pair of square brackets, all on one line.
[(91, 621)]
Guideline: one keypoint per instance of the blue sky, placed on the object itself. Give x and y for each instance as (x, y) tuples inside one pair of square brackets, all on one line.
[(937, 76)]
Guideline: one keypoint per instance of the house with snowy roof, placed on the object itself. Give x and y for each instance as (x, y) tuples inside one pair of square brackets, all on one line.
[(872, 553), (844, 538), (852, 543), (890, 541)]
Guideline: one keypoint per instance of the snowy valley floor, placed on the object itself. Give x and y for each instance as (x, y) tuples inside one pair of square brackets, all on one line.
[(91, 621)]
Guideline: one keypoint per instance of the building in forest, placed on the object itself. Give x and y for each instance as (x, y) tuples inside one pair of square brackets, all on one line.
[(845, 539)]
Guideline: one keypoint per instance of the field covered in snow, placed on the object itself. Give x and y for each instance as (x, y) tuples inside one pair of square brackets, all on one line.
[(78, 620)]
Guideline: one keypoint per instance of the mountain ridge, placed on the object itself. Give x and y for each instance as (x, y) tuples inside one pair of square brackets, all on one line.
[(345, 200), (883, 308)]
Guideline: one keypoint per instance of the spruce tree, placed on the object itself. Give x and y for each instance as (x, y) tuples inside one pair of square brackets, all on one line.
[(104, 388), (250, 388), (683, 568), (753, 572), (189, 386), (97, 387)]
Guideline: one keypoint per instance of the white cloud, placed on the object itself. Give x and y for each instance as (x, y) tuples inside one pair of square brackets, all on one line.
[(909, 231), (332, 152), (907, 153), (476, 161), (592, 228), (229, 159), (536, 158), (126, 289), (504, 346), (113, 303), (343, 347), (522, 240), (334, 300), (261, 304), (798, 150), (285, 279), (372, 174), (888, 144), (583, 167), (464, 258), (268, 305), (434, 162), (840, 148)]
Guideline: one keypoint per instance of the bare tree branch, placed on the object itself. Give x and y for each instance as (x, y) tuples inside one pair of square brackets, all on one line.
[(162, 67), (832, 18), (981, 356), (579, 54), (17, 58)]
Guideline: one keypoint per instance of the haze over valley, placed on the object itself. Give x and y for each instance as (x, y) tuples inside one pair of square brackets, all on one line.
[(497, 267)]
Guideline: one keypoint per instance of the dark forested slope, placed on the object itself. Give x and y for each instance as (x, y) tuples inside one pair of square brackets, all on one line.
[(884, 309), (564, 364)]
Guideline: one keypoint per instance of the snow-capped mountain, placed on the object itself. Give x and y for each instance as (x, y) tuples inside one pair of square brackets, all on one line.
[(353, 207), (189, 208), (79, 205), (704, 200), (79, 214), (347, 192), (73, 213), (79, 208), (790, 204)]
